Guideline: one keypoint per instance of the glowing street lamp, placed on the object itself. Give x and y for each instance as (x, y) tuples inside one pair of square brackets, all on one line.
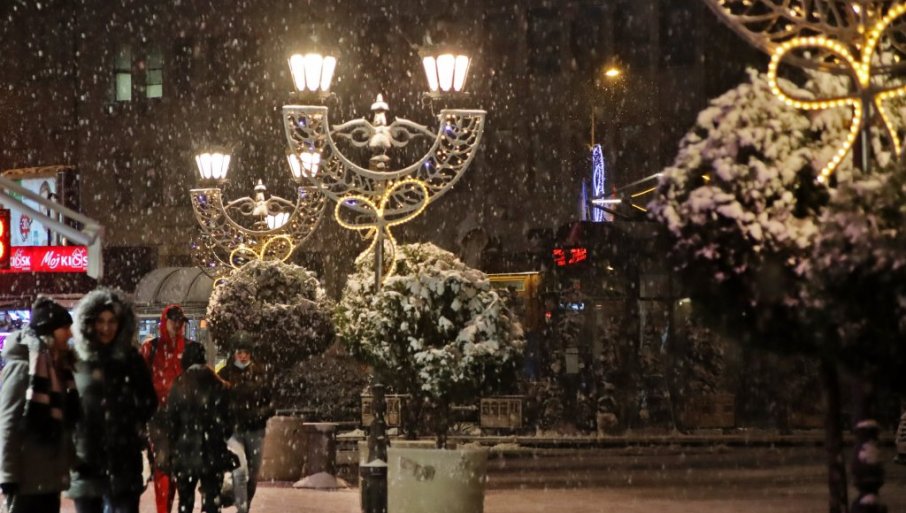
[(312, 72), (269, 227), (446, 71), (213, 165), (376, 198)]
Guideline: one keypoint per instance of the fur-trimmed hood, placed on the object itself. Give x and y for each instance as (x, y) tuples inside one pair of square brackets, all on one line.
[(88, 310)]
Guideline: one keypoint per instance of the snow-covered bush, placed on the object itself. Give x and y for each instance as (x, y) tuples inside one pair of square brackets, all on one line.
[(282, 305), (741, 203), (859, 274), (436, 329), (326, 387)]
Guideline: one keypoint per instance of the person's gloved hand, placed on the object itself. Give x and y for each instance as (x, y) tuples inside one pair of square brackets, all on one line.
[(9, 488)]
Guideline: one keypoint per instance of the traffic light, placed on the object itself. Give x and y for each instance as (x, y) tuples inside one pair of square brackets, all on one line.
[(4, 238)]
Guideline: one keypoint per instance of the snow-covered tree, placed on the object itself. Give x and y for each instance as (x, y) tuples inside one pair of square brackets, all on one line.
[(282, 305), (743, 207), (741, 203), (858, 271), (436, 330)]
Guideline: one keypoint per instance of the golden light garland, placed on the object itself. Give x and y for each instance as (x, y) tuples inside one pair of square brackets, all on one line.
[(862, 73), (381, 224), (249, 253)]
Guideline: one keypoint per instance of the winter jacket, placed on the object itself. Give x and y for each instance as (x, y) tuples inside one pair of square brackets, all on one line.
[(117, 399), (166, 367), (37, 465), (250, 396), (199, 422)]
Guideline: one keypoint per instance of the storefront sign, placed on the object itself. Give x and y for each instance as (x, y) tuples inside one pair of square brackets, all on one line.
[(48, 259), (4, 238), (569, 256)]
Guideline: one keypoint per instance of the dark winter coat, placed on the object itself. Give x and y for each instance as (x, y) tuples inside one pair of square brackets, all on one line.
[(250, 396), (199, 422), (36, 464), (117, 399)]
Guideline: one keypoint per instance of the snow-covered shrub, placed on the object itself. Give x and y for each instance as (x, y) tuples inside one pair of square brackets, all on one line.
[(282, 305), (859, 274), (327, 387), (436, 329), (741, 203)]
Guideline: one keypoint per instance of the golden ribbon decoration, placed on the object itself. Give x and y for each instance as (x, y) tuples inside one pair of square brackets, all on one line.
[(249, 254), (381, 223), (861, 71)]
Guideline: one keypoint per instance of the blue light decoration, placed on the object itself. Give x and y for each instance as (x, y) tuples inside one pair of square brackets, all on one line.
[(598, 179), (584, 202)]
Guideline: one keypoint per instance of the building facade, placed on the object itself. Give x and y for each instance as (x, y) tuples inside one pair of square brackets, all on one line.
[(127, 92)]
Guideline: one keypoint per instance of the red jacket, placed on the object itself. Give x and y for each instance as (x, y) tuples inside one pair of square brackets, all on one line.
[(166, 366)]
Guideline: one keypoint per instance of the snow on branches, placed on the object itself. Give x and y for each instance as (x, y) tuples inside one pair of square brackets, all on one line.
[(745, 211), (859, 273), (436, 329), (282, 305)]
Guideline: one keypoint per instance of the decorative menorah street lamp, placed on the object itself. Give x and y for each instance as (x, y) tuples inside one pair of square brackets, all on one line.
[(376, 198), (249, 228)]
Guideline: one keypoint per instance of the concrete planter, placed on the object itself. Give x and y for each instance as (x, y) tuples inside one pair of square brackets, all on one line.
[(319, 469), (284, 449), (424, 480)]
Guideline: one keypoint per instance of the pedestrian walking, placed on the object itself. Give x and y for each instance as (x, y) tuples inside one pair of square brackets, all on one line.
[(199, 423), (117, 399), (39, 406), (163, 354), (251, 405)]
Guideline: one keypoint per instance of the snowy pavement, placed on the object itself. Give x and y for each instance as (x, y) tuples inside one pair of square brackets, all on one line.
[(722, 480)]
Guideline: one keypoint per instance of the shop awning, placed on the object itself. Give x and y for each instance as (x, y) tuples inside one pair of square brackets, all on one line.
[(186, 286)]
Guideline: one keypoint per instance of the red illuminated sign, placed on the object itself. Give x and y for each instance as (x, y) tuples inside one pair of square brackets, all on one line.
[(48, 259), (4, 239), (569, 256)]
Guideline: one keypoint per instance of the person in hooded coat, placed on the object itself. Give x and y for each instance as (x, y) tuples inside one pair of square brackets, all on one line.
[(163, 354), (117, 399), (251, 403), (38, 409), (199, 422)]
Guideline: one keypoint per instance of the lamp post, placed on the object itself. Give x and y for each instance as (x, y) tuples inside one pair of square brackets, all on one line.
[(257, 227), (376, 198)]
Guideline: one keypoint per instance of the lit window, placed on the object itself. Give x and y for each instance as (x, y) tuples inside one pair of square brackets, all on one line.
[(123, 74), (154, 74)]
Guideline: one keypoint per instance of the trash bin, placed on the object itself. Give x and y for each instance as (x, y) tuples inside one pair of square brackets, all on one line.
[(284, 449)]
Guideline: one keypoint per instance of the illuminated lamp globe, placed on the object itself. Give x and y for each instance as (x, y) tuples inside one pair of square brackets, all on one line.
[(312, 72), (213, 165), (446, 72), (305, 165)]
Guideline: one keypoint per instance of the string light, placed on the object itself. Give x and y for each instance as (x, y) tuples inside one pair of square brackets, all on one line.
[(861, 70), (249, 254), (381, 224)]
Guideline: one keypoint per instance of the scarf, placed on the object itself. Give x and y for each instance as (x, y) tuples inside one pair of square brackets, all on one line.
[(51, 400)]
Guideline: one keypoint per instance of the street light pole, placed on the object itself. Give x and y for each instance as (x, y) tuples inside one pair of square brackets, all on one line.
[(375, 199)]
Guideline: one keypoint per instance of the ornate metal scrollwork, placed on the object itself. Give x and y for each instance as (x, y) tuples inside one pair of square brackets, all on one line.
[(222, 234), (376, 198), (767, 24)]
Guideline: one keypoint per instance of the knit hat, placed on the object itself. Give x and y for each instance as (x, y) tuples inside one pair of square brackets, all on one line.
[(47, 316), (193, 355), (242, 340)]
